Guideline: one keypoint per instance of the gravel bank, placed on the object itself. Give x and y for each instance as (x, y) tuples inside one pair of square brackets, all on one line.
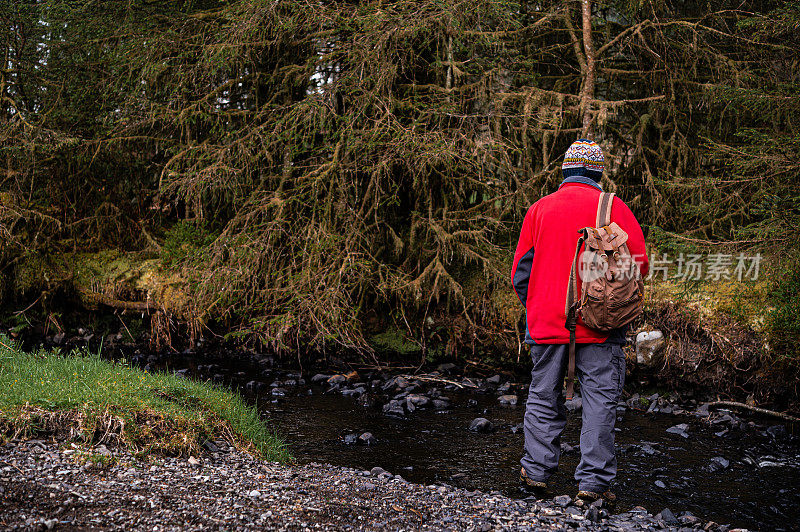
[(44, 485)]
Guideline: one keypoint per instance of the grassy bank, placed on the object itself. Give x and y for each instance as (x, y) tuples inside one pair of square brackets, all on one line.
[(79, 395)]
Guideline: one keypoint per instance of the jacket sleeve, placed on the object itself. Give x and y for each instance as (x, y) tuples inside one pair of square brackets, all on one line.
[(623, 215), (523, 260)]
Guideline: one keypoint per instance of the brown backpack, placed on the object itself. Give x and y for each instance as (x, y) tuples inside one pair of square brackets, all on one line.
[(612, 289)]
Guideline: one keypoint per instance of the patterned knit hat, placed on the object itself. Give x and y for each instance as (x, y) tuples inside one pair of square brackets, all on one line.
[(584, 158)]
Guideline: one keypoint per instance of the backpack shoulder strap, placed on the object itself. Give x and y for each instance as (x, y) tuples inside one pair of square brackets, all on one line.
[(604, 204)]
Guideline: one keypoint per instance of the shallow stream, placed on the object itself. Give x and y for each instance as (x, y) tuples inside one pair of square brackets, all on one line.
[(758, 489)]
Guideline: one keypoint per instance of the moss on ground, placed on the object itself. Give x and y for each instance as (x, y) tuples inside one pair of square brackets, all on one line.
[(744, 301), (394, 341), (84, 397)]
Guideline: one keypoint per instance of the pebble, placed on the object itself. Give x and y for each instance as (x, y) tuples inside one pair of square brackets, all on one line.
[(562, 500), (239, 492)]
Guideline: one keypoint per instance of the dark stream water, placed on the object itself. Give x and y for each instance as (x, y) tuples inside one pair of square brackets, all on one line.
[(759, 489)]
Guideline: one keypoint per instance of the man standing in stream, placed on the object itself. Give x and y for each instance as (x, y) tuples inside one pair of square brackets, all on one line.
[(541, 274)]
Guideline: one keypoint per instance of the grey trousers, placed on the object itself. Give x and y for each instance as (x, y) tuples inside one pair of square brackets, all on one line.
[(600, 370)]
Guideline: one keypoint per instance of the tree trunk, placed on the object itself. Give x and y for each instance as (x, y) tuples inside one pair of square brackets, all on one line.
[(588, 83)]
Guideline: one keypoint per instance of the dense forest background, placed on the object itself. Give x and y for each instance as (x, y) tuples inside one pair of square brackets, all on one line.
[(315, 174)]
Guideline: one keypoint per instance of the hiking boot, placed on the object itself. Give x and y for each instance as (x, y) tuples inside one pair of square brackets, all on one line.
[(530, 486), (608, 497)]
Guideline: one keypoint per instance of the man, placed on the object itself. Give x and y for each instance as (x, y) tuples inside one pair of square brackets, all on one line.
[(540, 276)]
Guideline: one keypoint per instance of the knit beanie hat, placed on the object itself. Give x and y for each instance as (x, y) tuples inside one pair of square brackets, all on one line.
[(584, 158)]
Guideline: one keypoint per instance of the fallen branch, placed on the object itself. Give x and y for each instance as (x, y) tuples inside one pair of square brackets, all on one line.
[(760, 410), (438, 379), (92, 299)]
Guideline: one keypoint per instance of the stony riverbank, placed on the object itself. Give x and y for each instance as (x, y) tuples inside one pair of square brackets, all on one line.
[(52, 486)]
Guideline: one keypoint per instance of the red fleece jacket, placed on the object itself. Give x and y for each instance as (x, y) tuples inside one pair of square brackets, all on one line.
[(544, 256)]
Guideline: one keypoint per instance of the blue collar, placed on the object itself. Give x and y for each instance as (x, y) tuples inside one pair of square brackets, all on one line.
[(581, 179)]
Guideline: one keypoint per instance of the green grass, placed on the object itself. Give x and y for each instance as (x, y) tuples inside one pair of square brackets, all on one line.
[(99, 401)]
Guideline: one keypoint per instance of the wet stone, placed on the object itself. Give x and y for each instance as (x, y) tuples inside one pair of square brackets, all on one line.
[(440, 404), (777, 431), (481, 424), (510, 400), (367, 439), (418, 400), (355, 392), (718, 463), (446, 368), (574, 404), (254, 386), (680, 430), (668, 517), (394, 408), (567, 448), (689, 519)]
